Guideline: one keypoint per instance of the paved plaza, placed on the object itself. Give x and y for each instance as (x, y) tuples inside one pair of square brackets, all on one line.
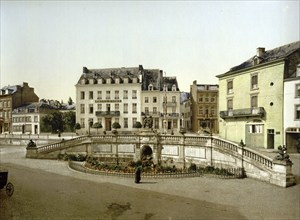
[(250, 198)]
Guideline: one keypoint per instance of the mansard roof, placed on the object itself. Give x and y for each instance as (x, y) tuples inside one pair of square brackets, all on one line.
[(128, 72), (267, 56)]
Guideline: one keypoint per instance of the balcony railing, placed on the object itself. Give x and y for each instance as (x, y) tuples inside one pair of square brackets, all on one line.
[(150, 113), (170, 104), (245, 112), (170, 115), (107, 113)]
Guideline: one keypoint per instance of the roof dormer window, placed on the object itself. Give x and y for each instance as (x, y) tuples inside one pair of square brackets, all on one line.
[(174, 87), (150, 87)]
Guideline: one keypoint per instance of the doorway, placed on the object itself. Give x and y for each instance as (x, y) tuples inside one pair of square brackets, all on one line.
[(270, 139), (108, 124)]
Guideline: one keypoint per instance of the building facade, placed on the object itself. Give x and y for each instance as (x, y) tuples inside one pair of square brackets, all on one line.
[(107, 96), (12, 97), (161, 100), (251, 97), (185, 110), (127, 96), (292, 112), (204, 108)]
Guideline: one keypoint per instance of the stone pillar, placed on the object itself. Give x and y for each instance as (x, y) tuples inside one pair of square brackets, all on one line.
[(282, 173), (209, 155), (89, 146), (31, 152), (182, 151)]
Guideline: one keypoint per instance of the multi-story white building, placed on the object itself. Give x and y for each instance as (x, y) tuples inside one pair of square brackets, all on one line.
[(161, 100), (107, 96), (292, 112), (126, 96)]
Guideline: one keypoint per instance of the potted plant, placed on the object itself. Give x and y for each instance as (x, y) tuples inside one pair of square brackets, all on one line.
[(97, 125), (115, 126)]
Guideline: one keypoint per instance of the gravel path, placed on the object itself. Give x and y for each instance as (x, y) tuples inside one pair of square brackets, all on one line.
[(253, 199)]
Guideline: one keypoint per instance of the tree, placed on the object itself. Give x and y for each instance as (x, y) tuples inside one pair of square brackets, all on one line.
[(97, 125), (77, 126), (52, 122), (70, 101), (69, 119), (138, 125), (115, 126)]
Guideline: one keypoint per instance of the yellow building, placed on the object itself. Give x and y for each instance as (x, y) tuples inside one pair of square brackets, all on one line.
[(251, 97)]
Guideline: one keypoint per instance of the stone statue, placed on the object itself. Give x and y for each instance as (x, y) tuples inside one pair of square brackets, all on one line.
[(148, 122), (31, 144), (282, 155)]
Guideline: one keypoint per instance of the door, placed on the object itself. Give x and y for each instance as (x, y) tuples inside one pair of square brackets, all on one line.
[(108, 124), (270, 139)]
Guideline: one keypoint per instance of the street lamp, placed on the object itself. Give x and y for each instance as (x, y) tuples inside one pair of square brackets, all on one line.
[(90, 125)]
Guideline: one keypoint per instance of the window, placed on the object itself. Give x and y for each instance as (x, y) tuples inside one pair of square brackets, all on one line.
[(206, 99), (134, 120), (99, 95), (173, 98), (297, 111), (229, 86), (117, 94), (8, 104), (125, 94), (146, 100), (200, 110), (154, 100), (107, 94), (254, 101), (134, 94), (82, 95), (229, 106), (173, 109), (200, 99), (255, 129), (146, 110), (134, 107), (125, 110), (91, 95), (212, 99), (154, 110), (174, 87), (297, 90), (36, 119), (108, 107), (117, 107), (91, 108), (82, 123), (82, 109), (212, 111), (125, 122), (254, 84), (99, 107), (150, 87)]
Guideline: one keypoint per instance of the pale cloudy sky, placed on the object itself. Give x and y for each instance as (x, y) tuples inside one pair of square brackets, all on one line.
[(46, 43)]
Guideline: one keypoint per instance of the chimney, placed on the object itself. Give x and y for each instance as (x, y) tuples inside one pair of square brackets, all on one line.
[(260, 51), (85, 70)]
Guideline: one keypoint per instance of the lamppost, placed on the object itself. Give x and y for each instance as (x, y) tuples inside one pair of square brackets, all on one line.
[(90, 125), (209, 118)]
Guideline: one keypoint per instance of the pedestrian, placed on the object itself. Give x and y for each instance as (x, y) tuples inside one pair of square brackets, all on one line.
[(137, 173)]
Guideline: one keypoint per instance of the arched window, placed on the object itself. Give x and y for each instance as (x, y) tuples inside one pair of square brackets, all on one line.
[(174, 87), (150, 87)]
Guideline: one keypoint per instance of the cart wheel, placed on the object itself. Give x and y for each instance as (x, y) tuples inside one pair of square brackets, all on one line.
[(10, 189)]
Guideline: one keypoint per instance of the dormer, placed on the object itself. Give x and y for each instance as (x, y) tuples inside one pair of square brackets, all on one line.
[(126, 80), (150, 87), (108, 80), (117, 80), (84, 81), (174, 88), (134, 80), (100, 81), (92, 81)]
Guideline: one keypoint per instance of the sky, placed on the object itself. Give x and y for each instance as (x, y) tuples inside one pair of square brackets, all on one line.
[(47, 43)]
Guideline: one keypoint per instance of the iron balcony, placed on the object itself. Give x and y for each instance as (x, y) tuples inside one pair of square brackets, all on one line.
[(245, 112), (107, 113)]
